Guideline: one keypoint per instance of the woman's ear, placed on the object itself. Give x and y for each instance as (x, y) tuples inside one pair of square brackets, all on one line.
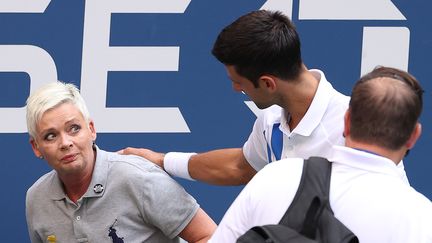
[(35, 148), (92, 130)]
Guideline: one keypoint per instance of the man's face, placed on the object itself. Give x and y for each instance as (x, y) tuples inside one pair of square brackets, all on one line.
[(64, 139), (241, 84)]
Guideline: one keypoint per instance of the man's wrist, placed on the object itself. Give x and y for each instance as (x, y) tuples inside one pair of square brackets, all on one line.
[(176, 164)]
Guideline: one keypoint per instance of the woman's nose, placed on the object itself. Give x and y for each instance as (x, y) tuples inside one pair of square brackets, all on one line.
[(66, 142)]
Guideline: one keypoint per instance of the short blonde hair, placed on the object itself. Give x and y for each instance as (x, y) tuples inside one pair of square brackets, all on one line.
[(50, 96)]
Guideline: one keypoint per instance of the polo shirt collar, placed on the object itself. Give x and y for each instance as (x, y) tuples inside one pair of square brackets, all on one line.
[(97, 185), (364, 160), (56, 191), (316, 110)]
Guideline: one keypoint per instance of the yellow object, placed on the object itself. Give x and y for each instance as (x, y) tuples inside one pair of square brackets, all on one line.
[(51, 239)]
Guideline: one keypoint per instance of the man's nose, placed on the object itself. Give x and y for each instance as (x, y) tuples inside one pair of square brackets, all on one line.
[(236, 87)]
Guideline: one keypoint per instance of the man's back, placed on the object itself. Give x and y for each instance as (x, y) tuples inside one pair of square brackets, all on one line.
[(367, 193)]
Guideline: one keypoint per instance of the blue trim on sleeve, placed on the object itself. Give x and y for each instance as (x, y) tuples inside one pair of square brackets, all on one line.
[(268, 148)]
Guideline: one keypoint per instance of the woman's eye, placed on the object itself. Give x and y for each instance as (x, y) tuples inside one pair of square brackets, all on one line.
[(49, 137), (75, 128)]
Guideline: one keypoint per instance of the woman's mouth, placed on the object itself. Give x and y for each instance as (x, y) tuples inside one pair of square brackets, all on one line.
[(69, 158)]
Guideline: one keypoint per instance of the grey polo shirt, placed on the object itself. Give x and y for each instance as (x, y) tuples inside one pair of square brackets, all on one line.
[(129, 199)]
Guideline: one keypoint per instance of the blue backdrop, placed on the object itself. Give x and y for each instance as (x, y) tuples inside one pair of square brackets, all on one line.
[(146, 72)]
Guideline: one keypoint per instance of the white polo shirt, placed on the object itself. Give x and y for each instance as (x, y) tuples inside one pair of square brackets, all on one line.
[(368, 194), (320, 129)]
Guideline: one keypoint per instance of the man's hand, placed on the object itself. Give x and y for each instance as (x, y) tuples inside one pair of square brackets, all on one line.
[(148, 154)]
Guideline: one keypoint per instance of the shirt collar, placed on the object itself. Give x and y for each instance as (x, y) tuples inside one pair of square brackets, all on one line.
[(97, 185), (364, 160), (316, 110), (56, 187)]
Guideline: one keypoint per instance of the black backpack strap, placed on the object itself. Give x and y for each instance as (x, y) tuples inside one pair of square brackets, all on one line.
[(311, 197), (309, 218)]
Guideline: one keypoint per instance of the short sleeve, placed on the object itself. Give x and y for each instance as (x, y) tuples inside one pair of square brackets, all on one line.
[(29, 217), (166, 204), (255, 148)]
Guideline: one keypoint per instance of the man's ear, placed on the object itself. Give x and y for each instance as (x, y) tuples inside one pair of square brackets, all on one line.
[(35, 148), (347, 122), (268, 81), (414, 136)]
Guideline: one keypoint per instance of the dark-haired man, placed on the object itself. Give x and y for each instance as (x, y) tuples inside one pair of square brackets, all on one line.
[(303, 113), (367, 192)]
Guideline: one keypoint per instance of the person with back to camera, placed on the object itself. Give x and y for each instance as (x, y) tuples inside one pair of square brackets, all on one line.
[(96, 196), (302, 116), (367, 192)]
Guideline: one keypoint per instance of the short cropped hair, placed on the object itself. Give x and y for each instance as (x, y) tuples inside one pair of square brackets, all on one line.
[(259, 43), (50, 96), (385, 107)]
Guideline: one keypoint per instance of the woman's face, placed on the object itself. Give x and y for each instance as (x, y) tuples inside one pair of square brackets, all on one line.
[(64, 139)]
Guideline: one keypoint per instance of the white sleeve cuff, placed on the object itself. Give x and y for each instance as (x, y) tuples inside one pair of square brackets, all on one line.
[(176, 164)]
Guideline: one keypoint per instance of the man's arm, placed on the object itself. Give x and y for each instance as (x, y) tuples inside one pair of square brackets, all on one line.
[(199, 229), (219, 167)]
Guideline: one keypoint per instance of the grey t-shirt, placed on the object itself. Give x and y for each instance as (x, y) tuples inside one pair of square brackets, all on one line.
[(129, 199)]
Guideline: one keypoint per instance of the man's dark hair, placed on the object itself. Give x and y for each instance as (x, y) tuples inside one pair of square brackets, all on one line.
[(385, 107), (259, 43)]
